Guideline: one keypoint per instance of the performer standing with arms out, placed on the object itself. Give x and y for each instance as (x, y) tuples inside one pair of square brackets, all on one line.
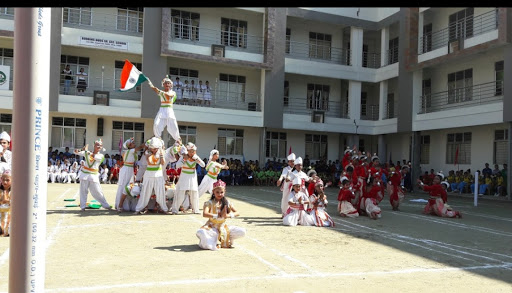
[(89, 175), (165, 115), (126, 174), (188, 179), (286, 187), (217, 210), (212, 168)]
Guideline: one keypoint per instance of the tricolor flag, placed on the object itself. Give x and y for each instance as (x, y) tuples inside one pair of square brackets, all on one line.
[(131, 77)]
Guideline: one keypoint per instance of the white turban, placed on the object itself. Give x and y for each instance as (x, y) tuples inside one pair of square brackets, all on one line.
[(291, 157), (166, 78), (135, 191), (5, 135), (125, 144), (191, 146), (213, 152), (446, 183), (298, 161), (155, 143), (297, 180)]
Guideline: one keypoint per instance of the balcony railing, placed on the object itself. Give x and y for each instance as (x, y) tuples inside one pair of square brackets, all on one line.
[(372, 113), (97, 84), (484, 93), (319, 53), (206, 37), (302, 107), (391, 56), (391, 110), (103, 22), (465, 28), (371, 60)]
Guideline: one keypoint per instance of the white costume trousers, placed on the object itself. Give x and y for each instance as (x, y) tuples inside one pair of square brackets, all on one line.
[(152, 183), (96, 192), (125, 177)]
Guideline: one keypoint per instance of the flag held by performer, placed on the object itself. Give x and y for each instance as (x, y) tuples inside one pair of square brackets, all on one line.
[(131, 77)]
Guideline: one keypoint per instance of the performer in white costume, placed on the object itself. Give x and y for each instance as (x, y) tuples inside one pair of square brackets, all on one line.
[(5, 140), (153, 179), (126, 174), (212, 168), (165, 115), (296, 214), (129, 197), (188, 179), (217, 210), (286, 187), (89, 176)]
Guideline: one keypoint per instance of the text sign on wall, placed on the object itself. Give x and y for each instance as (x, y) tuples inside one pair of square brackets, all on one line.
[(104, 43), (5, 74)]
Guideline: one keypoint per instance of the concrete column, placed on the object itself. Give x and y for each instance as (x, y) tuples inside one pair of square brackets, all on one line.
[(354, 100), (383, 95), (384, 45), (356, 46), (353, 140), (420, 31), (382, 151), (415, 158), (417, 88)]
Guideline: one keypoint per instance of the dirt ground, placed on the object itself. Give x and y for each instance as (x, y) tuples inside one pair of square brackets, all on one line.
[(404, 251)]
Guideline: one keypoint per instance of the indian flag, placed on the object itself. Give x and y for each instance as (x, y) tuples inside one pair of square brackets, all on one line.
[(131, 77)]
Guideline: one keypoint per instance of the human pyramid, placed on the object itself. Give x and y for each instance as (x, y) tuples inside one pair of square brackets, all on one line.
[(149, 190)]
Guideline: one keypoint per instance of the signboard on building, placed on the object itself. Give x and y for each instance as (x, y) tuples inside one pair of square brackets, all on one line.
[(5, 74), (103, 43)]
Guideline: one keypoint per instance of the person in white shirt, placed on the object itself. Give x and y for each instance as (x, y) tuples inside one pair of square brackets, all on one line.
[(201, 88), (5, 140), (193, 92), (285, 179), (207, 94), (178, 87), (188, 179)]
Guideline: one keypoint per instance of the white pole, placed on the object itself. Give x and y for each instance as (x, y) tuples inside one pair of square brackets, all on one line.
[(476, 189), (30, 140)]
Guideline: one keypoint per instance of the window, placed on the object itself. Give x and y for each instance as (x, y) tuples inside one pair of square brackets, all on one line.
[(320, 46), (118, 68), (391, 106), (426, 89), (232, 87), (276, 144), (184, 74), (130, 19), (68, 132), (233, 32), (286, 99), (187, 134), (316, 146), (318, 97), (393, 51), (230, 141), (427, 38), (121, 131), (498, 74), (77, 15), (364, 103), (75, 63), (461, 24), (185, 25), (425, 149), (7, 10), (7, 59), (288, 40), (5, 122), (500, 146), (461, 141), (460, 86)]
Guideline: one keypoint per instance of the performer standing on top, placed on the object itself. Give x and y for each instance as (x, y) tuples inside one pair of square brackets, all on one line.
[(165, 115)]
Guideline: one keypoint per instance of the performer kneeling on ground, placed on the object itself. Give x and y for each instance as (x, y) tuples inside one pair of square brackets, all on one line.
[(296, 215), (318, 204), (437, 202), (217, 210), (345, 196)]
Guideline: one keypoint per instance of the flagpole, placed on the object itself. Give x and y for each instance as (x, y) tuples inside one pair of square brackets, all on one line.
[(30, 131)]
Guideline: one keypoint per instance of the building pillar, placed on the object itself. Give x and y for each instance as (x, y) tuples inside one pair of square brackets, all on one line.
[(384, 46), (356, 45), (354, 101), (353, 140), (420, 32), (415, 157), (383, 97), (381, 151)]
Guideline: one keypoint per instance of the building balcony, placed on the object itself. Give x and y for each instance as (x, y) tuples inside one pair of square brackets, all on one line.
[(309, 107), (370, 112), (318, 53), (391, 56), (92, 19), (464, 30), (201, 40), (371, 60), (486, 93)]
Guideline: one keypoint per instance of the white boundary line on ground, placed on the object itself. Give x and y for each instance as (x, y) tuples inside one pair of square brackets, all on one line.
[(277, 277)]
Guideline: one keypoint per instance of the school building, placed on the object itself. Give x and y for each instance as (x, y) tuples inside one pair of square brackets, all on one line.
[(406, 83)]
